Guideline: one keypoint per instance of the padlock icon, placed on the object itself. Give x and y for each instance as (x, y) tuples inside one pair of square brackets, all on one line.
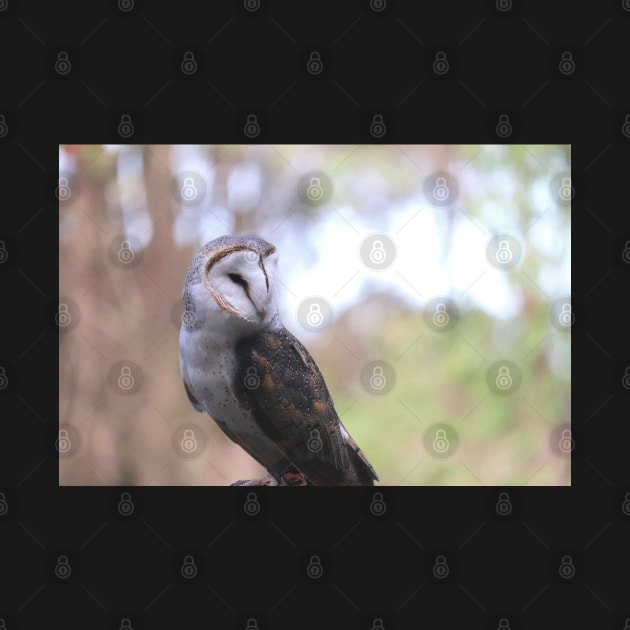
[(125, 127), (125, 5), (566, 316), (504, 505), (4, 128), (251, 256), (378, 624), (125, 505), (625, 255), (63, 191), (315, 64), (503, 624), (252, 380), (377, 505), (626, 623), (125, 253), (189, 318), (314, 442), (315, 317), (189, 65), (440, 63), (63, 443), (377, 128), (378, 380), (4, 379), (440, 317), (504, 127), (315, 570), (378, 255), (440, 568), (378, 5), (567, 64), (188, 568), (315, 190), (252, 624), (625, 380), (189, 190), (63, 317), (566, 191), (504, 378), (189, 441), (566, 442), (504, 254), (440, 441), (625, 128), (125, 624), (504, 5), (625, 506), (63, 568), (63, 65), (252, 127), (252, 5), (440, 189), (4, 254), (4, 506), (125, 379), (251, 507), (566, 568)]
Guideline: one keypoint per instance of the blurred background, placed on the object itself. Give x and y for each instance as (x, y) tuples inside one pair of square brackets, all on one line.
[(430, 283)]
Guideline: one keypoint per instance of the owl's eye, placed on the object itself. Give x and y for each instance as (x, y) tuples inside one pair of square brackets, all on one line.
[(234, 277)]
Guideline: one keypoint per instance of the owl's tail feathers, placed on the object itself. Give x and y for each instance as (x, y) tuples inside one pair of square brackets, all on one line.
[(362, 473)]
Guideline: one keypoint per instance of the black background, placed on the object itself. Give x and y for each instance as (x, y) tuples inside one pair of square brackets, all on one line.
[(378, 58)]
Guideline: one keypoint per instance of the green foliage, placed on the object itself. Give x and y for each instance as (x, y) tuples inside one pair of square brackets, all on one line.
[(503, 439)]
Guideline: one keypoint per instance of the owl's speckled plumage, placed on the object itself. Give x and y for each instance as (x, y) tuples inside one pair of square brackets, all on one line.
[(256, 380)]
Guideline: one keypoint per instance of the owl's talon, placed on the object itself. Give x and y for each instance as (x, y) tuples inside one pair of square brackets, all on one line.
[(293, 479)]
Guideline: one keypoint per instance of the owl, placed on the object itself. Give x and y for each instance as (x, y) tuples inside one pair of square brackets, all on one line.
[(261, 386)]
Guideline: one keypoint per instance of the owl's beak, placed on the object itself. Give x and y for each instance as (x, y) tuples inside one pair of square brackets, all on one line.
[(259, 306)]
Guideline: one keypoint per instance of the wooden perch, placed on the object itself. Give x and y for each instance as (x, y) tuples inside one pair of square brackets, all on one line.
[(288, 479)]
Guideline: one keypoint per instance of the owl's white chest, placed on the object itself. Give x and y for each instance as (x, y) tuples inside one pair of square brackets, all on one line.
[(208, 366)]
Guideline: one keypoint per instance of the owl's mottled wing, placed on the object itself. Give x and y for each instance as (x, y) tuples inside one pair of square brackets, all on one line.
[(283, 388)]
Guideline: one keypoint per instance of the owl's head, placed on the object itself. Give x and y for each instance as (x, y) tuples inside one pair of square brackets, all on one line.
[(232, 279)]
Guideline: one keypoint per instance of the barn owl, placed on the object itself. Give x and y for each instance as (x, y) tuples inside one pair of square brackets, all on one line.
[(253, 377)]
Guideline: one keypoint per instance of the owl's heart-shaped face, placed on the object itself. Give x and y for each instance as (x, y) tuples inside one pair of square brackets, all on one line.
[(241, 281)]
